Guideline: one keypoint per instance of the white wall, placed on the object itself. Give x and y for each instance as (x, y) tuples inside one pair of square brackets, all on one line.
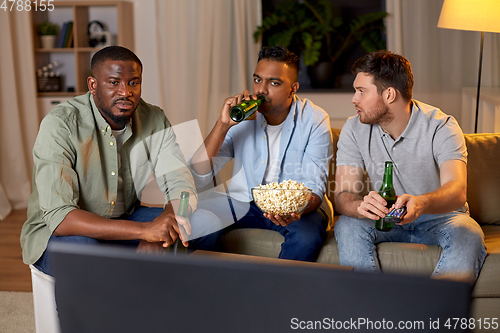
[(338, 105)]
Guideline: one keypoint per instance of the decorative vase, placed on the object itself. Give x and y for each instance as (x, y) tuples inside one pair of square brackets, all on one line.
[(48, 41)]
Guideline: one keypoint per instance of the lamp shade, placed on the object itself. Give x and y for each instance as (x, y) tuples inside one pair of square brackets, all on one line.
[(474, 15)]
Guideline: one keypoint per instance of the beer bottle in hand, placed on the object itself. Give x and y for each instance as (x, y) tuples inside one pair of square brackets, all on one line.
[(183, 211), (389, 194), (245, 109)]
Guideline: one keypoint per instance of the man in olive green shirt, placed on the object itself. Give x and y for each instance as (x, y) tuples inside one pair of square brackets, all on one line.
[(92, 158)]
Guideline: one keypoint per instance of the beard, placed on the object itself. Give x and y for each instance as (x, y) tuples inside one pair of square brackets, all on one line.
[(119, 120), (378, 114)]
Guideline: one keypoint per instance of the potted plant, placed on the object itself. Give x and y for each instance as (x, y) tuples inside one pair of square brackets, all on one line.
[(48, 32), (323, 37)]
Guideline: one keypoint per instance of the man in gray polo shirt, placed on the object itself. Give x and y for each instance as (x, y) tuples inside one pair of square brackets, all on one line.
[(428, 152)]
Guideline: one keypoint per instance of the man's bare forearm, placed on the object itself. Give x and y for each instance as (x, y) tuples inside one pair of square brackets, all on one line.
[(347, 203), (82, 223), (163, 228), (447, 198)]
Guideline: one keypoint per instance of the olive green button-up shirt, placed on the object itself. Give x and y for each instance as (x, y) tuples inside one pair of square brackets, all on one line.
[(76, 166)]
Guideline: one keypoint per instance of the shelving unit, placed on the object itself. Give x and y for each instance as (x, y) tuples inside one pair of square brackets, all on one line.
[(117, 16)]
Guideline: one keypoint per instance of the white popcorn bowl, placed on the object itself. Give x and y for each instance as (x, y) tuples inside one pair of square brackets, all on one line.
[(282, 202)]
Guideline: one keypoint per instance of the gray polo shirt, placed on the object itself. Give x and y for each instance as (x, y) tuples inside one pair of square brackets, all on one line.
[(430, 138)]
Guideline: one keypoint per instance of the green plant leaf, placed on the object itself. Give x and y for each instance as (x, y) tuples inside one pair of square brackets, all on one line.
[(362, 21), (372, 41), (284, 38), (47, 28), (317, 30), (311, 52)]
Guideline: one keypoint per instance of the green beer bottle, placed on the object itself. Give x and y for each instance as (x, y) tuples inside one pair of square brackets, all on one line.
[(389, 194), (245, 109), (183, 211)]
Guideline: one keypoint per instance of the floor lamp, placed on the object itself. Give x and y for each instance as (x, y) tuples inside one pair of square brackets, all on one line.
[(474, 15)]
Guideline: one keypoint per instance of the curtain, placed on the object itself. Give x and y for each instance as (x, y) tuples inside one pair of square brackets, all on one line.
[(206, 54), (5, 207), (18, 110), (443, 60)]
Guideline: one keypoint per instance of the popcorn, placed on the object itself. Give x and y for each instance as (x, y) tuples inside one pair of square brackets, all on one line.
[(282, 199)]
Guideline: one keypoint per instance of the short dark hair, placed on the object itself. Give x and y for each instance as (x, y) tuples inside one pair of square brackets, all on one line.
[(388, 70), (280, 54), (117, 53)]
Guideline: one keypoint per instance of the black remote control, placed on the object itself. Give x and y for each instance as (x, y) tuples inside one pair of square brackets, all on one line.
[(395, 215)]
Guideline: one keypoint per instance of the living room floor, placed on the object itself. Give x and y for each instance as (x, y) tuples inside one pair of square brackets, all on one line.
[(14, 274)]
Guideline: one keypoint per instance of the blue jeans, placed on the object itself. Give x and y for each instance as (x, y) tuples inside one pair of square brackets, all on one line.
[(205, 234), (303, 238), (460, 237)]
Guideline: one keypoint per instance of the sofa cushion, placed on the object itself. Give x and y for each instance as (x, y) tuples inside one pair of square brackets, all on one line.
[(401, 258), (488, 283), (330, 187), (483, 183), (329, 253), (254, 242), (408, 258)]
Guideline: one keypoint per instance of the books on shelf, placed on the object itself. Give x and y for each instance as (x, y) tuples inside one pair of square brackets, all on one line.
[(69, 31), (61, 35), (70, 38), (66, 35)]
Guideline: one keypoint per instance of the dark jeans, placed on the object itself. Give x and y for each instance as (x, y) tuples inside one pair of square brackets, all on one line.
[(206, 234)]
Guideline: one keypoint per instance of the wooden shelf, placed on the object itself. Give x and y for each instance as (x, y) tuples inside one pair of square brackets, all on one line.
[(88, 49), (55, 50), (58, 94), (117, 16)]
